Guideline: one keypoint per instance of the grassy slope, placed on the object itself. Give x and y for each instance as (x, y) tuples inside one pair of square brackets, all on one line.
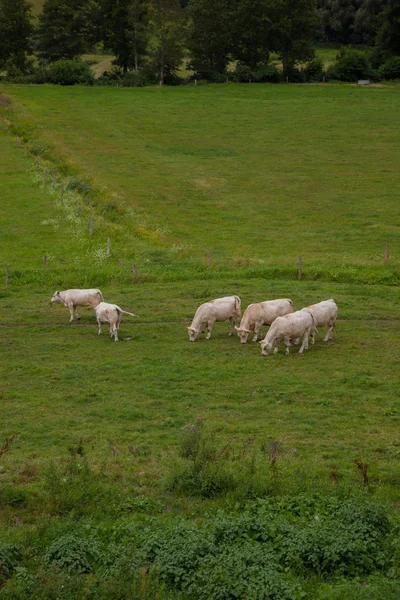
[(249, 172), (63, 387), (143, 391)]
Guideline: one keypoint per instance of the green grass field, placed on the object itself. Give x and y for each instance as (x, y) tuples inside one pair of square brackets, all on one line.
[(255, 175)]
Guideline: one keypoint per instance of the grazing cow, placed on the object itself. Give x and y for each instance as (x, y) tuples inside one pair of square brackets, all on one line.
[(325, 314), (287, 329), (262, 313), (220, 309), (74, 298), (111, 314)]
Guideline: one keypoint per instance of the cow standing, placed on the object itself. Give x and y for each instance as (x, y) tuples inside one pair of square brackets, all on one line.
[(262, 313), (111, 314), (73, 298), (325, 315), (286, 329), (220, 309)]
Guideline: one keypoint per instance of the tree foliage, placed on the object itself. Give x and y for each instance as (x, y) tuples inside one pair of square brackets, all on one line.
[(388, 38), (167, 23), (293, 29), (125, 31), (210, 36), (15, 34), (252, 32), (66, 28)]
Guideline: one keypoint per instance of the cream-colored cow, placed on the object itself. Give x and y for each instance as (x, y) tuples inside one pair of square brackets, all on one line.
[(262, 313), (286, 329), (220, 309), (111, 314), (75, 297), (325, 314)]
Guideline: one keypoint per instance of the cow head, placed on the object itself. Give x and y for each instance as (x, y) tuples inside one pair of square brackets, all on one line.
[(266, 347), (56, 297), (193, 333), (243, 334)]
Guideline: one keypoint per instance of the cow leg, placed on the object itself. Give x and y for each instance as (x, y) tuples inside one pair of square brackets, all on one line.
[(71, 311), (76, 312), (232, 323), (329, 331), (286, 341), (209, 327), (99, 324), (257, 329), (116, 333), (304, 345)]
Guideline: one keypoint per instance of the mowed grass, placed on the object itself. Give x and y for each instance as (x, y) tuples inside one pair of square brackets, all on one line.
[(245, 172)]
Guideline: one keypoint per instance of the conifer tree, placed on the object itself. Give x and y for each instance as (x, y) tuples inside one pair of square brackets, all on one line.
[(66, 28), (126, 31), (15, 35)]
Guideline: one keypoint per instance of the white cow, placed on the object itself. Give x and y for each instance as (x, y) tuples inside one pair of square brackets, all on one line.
[(325, 314), (286, 329), (262, 313), (74, 298), (220, 309), (111, 314)]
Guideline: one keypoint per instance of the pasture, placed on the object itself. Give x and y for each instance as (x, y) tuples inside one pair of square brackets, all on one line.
[(255, 176)]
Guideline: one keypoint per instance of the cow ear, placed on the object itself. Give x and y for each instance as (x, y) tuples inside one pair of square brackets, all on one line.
[(237, 328)]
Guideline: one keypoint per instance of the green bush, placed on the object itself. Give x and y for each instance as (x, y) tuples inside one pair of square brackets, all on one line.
[(352, 65), (314, 70), (391, 68), (70, 72), (262, 74)]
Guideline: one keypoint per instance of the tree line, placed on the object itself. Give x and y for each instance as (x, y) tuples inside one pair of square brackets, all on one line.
[(155, 36)]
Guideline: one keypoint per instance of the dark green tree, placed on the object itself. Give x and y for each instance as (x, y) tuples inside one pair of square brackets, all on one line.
[(388, 38), (66, 28), (251, 32), (126, 31), (210, 35), (293, 28), (15, 35), (168, 37), (349, 21)]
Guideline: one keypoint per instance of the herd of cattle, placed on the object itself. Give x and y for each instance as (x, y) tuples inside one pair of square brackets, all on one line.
[(285, 325)]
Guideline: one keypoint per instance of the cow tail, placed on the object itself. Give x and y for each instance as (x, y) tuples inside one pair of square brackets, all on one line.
[(101, 295), (237, 302)]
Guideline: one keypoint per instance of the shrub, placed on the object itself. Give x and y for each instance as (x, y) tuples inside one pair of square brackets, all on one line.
[(352, 65), (70, 72), (314, 70), (391, 68), (262, 74)]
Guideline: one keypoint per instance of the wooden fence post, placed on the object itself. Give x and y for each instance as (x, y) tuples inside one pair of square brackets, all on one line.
[(44, 261), (108, 247), (208, 257), (134, 273), (7, 275), (120, 262), (91, 226), (62, 191), (300, 272), (386, 253)]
